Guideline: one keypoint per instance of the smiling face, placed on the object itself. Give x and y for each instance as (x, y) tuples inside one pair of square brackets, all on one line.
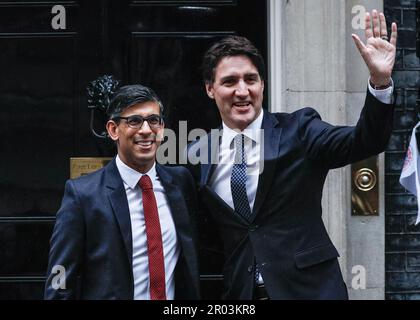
[(238, 91), (137, 147)]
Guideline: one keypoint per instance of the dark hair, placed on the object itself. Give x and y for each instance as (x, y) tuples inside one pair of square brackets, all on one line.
[(128, 96), (227, 47)]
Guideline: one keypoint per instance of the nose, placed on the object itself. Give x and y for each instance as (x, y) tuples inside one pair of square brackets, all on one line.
[(242, 89), (145, 128)]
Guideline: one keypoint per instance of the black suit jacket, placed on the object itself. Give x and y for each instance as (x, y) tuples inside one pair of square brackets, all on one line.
[(288, 237), (92, 236)]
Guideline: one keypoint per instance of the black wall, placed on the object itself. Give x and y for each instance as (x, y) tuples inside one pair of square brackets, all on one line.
[(402, 237)]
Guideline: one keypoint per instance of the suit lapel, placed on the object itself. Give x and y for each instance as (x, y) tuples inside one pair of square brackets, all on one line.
[(208, 168), (118, 199), (176, 202), (272, 135)]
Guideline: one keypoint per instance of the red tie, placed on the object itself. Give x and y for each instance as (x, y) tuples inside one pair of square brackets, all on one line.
[(154, 240)]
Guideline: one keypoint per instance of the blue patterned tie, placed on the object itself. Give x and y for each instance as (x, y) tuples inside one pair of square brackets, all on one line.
[(238, 180), (238, 187)]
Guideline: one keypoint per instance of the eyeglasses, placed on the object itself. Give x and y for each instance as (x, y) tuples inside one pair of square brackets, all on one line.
[(135, 121)]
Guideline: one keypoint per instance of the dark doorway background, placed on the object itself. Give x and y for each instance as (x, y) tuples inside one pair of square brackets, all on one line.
[(43, 110)]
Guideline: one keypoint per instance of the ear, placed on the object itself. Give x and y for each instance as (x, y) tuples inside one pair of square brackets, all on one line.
[(112, 129), (209, 90)]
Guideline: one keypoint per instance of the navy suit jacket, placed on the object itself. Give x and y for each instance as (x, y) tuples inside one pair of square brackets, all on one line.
[(287, 236), (92, 236)]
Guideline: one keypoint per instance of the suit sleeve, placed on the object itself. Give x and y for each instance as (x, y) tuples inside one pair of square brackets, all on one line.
[(337, 146), (66, 248)]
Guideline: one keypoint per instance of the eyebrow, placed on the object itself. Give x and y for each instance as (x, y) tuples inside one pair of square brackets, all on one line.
[(138, 115), (227, 78), (247, 75)]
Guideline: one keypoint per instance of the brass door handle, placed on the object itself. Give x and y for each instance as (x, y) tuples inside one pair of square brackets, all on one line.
[(364, 187), (365, 179)]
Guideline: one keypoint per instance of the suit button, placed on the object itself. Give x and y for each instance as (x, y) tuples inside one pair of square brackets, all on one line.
[(253, 227), (250, 268)]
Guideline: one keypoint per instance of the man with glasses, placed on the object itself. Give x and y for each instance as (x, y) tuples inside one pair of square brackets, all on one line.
[(127, 231)]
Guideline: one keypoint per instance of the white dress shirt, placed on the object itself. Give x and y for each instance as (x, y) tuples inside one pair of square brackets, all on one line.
[(220, 180), (385, 95), (131, 178)]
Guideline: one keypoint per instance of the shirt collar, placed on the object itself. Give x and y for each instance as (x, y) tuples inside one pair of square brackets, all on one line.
[(130, 176), (251, 131)]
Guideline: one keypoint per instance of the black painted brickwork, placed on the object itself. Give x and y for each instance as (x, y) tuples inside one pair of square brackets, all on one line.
[(402, 248)]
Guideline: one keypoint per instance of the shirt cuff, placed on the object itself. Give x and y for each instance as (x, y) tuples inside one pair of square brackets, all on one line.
[(385, 95)]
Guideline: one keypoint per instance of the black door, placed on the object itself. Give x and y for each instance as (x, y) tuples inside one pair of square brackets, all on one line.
[(44, 116)]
